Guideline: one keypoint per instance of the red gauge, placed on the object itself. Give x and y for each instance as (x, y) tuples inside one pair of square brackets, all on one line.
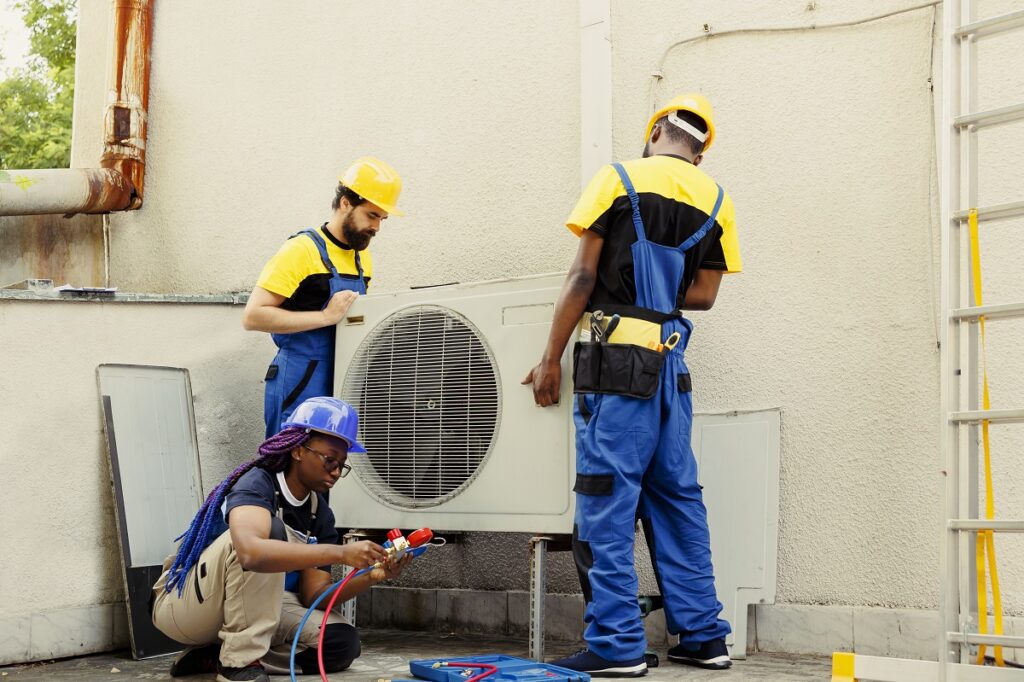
[(420, 537)]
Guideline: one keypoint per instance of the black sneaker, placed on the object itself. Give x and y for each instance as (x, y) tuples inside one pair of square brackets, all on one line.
[(711, 654), (253, 672), (586, 661), (196, 660)]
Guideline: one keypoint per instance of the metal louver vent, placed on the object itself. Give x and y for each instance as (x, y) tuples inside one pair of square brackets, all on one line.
[(429, 404)]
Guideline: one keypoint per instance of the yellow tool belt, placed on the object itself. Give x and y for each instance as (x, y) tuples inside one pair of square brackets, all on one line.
[(633, 330), (620, 354)]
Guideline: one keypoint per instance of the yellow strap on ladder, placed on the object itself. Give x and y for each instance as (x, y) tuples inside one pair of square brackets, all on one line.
[(985, 543)]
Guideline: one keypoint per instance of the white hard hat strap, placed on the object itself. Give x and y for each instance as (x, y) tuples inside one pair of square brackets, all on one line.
[(674, 119)]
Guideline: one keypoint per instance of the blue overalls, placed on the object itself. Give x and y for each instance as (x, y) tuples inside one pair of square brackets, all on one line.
[(304, 364), (644, 447)]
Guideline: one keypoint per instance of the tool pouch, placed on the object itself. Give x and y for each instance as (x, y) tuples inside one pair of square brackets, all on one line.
[(616, 369)]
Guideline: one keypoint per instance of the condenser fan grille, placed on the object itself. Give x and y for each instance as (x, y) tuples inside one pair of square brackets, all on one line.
[(427, 392)]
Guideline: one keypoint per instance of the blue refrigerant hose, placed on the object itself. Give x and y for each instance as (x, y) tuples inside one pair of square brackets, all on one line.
[(415, 552)]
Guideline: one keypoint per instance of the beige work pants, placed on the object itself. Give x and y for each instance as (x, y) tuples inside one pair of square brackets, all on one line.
[(248, 612)]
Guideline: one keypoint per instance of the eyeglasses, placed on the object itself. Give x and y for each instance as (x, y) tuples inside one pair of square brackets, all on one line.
[(331, 464)]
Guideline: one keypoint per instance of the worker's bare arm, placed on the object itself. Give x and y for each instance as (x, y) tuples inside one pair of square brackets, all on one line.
[(250, 534), (314, 581), (264, 313), (546, 377), (703, 291)]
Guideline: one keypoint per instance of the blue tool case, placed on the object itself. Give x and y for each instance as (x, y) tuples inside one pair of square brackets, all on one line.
[(510, 669)]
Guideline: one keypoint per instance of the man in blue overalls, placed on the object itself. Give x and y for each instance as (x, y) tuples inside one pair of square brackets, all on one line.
[(656, 235), (306, 289)]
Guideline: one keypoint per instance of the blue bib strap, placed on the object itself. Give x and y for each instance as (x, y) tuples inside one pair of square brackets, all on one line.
[(321, 246), (634, 201), (699, 234), (359, 269)]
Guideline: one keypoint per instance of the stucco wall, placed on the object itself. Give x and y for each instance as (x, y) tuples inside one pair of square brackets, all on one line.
[(253, 115), (59, 535), (825, 141)]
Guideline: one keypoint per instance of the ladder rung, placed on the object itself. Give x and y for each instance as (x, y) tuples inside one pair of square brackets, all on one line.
[(997, 525), (1004, 416), (991, 312), (996, 211), (993, 640), (991, 116), (1003, 22)]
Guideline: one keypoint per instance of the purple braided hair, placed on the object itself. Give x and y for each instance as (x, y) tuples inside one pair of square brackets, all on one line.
[(208, 523)]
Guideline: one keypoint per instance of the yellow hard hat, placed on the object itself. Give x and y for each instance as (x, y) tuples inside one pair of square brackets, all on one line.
[(693, 102), (376, 181)]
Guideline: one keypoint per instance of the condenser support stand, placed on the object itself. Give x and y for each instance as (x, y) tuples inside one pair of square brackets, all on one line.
[(538, 588), (961, 417)]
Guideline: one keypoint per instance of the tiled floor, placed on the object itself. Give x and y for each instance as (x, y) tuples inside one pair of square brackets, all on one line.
[(386, 655)]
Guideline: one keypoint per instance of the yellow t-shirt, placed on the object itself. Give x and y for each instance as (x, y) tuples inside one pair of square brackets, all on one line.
[(298, 273), (676, 199)]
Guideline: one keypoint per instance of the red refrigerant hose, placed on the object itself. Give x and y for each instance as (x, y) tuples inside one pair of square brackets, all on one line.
[(488, 669), (416, 538), (323, 625)]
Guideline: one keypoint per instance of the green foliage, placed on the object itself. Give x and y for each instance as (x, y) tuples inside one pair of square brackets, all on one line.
[(36, 101)]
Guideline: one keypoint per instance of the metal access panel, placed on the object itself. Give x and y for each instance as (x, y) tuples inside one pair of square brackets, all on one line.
[(738, 458), (154, 465)]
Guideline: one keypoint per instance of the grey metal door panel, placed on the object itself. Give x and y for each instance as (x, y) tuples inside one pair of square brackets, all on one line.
[(154, 465)]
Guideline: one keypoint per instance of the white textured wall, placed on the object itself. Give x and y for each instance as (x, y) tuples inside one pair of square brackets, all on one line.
[(825, 141), (254, 114), (57, 522)]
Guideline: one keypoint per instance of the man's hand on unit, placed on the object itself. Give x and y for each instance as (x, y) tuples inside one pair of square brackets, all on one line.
[(338, 307), (546, 378)]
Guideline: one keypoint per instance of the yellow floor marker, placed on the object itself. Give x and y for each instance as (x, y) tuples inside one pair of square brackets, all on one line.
[(842, 667)]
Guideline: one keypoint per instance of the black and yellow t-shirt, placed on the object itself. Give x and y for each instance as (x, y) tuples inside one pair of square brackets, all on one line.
[(676, 199), (298, 273)]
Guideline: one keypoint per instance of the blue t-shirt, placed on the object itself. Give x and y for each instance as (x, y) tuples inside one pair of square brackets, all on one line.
[(259, 488)]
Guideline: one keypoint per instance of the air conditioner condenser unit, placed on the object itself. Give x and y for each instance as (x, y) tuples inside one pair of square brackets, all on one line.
[(455, 441)]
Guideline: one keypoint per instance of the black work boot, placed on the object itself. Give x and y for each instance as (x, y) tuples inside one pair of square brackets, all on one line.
[(253, 672), (196, 660), (711, 655)]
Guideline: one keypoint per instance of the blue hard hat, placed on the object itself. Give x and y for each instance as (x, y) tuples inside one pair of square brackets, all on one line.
[(329, 416)]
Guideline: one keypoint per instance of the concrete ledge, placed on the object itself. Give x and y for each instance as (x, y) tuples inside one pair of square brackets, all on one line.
[(776, 628), (867, 630), (403, 608), (899, 633), (795, 628), (779, 628), (483, 612), (564, 616), (474, 611), (51, 295), (63, 632)]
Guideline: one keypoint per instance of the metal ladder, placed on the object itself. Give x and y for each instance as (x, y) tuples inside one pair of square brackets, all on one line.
[(961, 416)]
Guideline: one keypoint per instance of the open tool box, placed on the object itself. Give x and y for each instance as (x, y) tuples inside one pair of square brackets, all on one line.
[(490, 668)]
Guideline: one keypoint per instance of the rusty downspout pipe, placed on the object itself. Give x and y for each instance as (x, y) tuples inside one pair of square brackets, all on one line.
[(117, 185), (125, 121)]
